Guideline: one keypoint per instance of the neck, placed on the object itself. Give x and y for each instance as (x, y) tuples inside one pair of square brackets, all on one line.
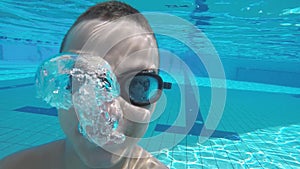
[(73, 161), (71, 158)]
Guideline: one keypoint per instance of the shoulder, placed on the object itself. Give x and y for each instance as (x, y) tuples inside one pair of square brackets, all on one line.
[(153, 163), (146, 161), (37, 157)]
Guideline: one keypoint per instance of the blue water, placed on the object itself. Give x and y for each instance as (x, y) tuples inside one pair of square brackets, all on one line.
[(256, 41)]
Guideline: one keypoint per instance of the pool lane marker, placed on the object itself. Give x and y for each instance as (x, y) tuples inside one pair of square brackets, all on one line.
[(16, 86), (38, 110)]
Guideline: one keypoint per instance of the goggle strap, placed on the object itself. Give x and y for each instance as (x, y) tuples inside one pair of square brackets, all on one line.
[(167, 85)]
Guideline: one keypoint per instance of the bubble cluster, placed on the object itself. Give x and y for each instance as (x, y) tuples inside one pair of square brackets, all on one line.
[(87, 83), (52, 80), (95, 91)]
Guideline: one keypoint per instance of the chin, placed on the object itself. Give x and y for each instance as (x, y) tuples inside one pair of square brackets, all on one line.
[(99, 157)]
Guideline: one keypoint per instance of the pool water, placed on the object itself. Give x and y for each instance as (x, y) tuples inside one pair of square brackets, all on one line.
[(256, 41)]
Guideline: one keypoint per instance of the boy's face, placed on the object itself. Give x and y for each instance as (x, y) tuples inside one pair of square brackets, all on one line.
[(127, 48)]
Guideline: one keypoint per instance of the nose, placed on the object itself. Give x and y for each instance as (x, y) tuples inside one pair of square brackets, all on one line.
[(134, 113)]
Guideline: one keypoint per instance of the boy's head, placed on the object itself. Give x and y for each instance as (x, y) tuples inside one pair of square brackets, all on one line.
[(110, 11), (121, 36), (116, 32)]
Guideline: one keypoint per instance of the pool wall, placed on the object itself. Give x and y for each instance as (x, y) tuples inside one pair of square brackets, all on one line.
[(286, 73)]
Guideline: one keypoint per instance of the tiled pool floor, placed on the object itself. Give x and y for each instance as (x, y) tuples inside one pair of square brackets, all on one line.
[(268, 125)]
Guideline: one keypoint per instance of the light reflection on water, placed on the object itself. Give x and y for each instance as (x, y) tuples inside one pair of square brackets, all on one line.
[(276, 147)]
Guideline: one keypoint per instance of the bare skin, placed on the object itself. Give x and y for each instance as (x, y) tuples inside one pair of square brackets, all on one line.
[(53, 155), (132, 53)]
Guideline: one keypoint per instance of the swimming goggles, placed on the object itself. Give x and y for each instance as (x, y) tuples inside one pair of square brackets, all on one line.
[(142, 88)]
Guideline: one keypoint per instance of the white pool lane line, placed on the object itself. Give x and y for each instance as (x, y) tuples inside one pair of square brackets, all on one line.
[(10, 71), (238, 85)]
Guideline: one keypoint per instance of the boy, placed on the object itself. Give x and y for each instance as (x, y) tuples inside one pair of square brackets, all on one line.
[(121, 36)]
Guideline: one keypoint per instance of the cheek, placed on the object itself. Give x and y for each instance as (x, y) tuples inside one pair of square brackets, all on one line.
[(134, 129), (68, 122), (151, 107), (134, 124)]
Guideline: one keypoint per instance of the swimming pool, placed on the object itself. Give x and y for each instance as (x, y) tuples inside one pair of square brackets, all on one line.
[(257, 43)]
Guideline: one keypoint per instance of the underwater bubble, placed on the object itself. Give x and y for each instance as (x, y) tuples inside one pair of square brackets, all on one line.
[(80, 129), (95, 100), (115, 125), (118, 138), (52, 79), (45, 72)]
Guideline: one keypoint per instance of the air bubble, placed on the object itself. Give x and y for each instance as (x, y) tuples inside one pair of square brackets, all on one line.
[(98, 92)]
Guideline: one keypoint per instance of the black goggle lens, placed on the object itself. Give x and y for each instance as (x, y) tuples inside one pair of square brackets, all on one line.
[(145, 89)]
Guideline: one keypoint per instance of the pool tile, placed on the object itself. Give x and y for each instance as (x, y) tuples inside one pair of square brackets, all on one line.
[(210, 163), (255, 150), (23, 135), (179, 164), (3, 145), (192, 140), (9, 136), (12, 148)]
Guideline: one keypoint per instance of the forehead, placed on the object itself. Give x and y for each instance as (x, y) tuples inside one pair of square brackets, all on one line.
[(122, 43)]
